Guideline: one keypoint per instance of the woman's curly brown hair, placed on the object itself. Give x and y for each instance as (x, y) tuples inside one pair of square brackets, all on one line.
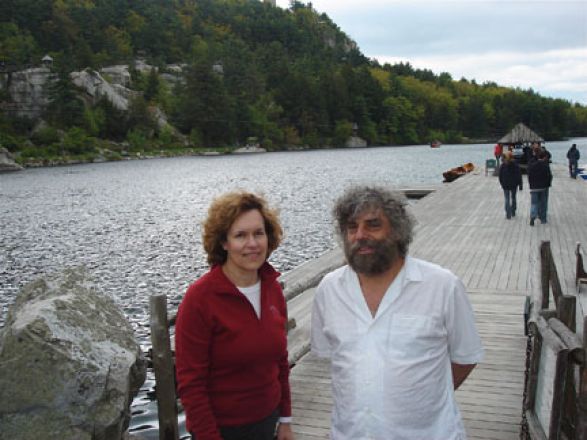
[(223, 212)]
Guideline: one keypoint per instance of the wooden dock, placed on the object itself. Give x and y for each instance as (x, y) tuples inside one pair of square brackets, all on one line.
[(462, 226)]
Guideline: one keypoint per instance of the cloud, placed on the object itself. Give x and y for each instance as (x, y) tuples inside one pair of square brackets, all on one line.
[(556, 73)]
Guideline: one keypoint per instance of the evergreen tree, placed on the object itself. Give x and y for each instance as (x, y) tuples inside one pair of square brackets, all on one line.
[(65, 108)]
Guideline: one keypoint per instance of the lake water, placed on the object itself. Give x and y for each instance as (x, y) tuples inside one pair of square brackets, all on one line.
[(136, 224)]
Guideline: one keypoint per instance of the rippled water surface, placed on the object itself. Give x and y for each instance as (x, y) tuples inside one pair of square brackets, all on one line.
[(136, 225)]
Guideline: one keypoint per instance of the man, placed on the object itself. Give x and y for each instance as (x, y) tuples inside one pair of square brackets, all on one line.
[(399, 331), (573, 156), (539, 180)]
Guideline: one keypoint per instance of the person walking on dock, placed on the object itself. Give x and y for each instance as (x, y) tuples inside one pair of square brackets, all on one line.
[(539, 180), (399, 331), (510, 179), (231, 343), (573, 156), (497, 152)]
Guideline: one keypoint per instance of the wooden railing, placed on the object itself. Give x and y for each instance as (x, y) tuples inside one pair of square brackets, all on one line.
[(555, 403)]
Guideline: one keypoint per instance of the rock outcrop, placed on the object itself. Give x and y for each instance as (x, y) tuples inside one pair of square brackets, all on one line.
[(69, 363), (96, 87), (7, 162), (355, 142), (27, 90)]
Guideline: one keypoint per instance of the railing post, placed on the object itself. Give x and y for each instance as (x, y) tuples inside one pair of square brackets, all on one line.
[(565, 311), (581, 427), (164, 370), (545, 272)]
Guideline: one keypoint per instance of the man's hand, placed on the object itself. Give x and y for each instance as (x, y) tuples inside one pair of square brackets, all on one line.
[(284, 432)]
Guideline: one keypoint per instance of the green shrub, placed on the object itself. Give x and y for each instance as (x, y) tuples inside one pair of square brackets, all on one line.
[(137, 140), (12, 143), (45, 136), (342, 132), (77, 142)]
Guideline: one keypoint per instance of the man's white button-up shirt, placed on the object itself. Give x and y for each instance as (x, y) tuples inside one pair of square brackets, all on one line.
[(391, 373)]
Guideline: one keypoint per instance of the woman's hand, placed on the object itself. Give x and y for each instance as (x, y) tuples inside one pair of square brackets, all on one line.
[(284, 432)]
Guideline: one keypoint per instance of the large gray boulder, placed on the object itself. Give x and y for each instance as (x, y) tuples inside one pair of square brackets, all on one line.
[(69, 363), (7, 162)]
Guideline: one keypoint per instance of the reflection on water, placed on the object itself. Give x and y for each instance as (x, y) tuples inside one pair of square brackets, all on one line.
[(136, 225)]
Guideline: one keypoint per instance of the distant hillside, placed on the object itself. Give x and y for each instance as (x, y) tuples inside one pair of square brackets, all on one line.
[(247, 69)]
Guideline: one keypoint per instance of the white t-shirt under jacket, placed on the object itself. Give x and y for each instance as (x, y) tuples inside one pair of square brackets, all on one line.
[(391, 374)]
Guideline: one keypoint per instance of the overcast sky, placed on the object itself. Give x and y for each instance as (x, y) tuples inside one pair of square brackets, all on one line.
[(525, 43)]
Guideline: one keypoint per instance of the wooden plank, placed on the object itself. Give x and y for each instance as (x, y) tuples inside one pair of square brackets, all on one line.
[(164, 370)]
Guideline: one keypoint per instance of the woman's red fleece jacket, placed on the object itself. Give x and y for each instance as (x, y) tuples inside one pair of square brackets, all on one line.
[(231, 366)]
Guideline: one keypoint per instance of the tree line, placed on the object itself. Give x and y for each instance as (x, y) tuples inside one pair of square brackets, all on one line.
[(287, 77)]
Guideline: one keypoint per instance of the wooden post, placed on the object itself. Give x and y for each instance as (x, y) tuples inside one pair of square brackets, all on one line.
[(557, 291), (580, 274), (164, 370), (558, 399), (581, 427), (534, 365), (545, 272), (565, 311)]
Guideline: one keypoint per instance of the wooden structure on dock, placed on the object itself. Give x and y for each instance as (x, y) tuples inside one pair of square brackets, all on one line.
[(521, 134), (462, 226)]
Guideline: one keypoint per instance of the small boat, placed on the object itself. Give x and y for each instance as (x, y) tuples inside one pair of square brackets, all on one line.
[(247, 149), (455, 173), (435, 144)]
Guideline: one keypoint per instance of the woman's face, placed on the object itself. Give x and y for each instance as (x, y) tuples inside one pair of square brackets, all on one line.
[(246, 242)]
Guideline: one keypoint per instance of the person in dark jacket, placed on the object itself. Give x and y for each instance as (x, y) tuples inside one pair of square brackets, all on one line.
[(510, 179), (573, 156), (539, 179)]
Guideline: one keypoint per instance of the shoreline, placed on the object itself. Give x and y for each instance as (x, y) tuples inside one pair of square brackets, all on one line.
[(222, 151)]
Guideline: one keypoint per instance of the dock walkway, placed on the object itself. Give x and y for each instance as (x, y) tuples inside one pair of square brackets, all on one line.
[(462, 226)]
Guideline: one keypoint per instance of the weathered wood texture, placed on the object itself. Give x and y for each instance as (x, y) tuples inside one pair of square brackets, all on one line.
[(164, 370), (462, 226)]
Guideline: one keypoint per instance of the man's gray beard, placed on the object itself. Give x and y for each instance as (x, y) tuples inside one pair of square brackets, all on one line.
[(385, 255)]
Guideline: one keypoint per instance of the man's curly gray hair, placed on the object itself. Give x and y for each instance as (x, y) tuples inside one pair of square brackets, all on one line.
[(359, 199)]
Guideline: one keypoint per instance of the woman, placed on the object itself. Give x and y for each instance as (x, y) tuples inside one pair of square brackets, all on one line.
[(231, 345), (510, 179)]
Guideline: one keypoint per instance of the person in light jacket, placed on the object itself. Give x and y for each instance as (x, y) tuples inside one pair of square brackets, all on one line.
[(510, 179)]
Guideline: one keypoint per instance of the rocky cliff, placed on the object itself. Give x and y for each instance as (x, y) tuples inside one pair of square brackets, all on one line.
[(27, 90)]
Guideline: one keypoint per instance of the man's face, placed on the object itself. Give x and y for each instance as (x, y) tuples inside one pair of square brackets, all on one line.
[(369, 243)]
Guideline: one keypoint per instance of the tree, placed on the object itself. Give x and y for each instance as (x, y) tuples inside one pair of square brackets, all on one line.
[(65, 108), (206, 106), (152, 87)]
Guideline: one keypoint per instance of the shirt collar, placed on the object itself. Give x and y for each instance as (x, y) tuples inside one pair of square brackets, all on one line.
[(267, 274), (412, 270)]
